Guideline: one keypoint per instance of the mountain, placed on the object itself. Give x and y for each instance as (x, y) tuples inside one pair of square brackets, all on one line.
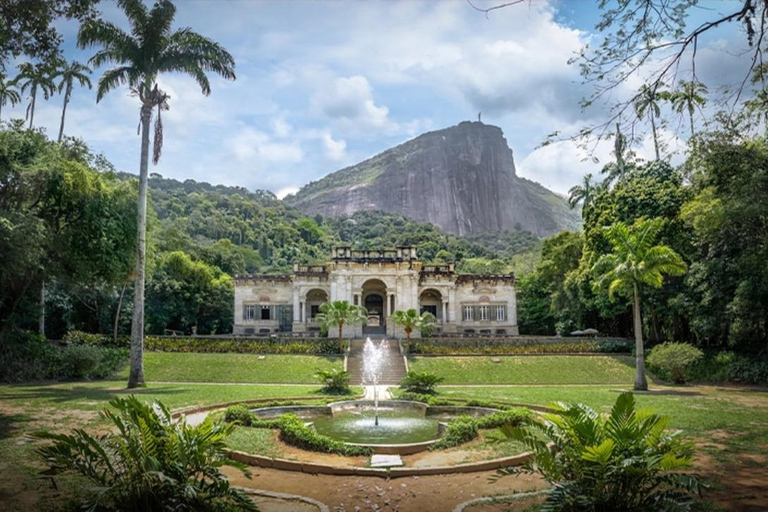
[(461, 179)]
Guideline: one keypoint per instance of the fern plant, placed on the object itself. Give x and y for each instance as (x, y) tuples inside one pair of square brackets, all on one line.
[(334, 381), (626, 461), (150, 462)]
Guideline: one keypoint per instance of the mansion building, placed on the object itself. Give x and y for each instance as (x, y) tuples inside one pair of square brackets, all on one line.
[(382, 281)]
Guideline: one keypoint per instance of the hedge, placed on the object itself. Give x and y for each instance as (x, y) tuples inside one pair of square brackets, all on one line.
[(486, 346), (295, 432), (299, 346)]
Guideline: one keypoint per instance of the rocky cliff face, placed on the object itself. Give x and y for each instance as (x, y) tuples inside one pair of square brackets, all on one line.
[(461, 178)]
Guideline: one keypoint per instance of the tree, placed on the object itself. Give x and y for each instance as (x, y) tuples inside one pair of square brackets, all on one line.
[(635, 262), (8, 93), (583, 194), (151, 48), (69, 72), (340, 313), (688, 97), (647, 104), (35, 78), (410, 320)]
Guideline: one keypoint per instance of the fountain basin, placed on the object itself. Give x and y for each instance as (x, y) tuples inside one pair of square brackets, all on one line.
[(405, 427)]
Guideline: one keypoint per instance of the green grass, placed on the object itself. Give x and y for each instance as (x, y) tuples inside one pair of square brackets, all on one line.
[(736, 421), (259, 441), (197, 367), (602, 369)]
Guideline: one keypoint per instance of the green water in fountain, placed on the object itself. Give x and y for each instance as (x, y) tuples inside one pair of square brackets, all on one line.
[(395, 427)]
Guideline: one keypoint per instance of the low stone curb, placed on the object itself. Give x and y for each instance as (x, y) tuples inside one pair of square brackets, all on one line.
[(494, 499), (213, 407), (324, 469), (284, 496)]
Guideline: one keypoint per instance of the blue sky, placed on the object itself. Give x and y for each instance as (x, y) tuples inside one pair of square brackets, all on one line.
[(326, 84)]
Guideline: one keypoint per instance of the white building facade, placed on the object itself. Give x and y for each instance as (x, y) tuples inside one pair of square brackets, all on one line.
[(382, 281)]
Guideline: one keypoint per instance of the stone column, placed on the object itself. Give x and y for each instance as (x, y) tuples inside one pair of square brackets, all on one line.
[(445, 311), (296, 306)]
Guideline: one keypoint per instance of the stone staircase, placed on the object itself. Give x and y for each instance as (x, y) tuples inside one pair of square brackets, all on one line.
[(393, 369)]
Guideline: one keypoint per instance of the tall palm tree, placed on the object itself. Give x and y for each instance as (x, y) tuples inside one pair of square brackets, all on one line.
[(36, 78), (69, 72), (8, 93), (647, 104), (340, 313), (140, 56), (616, 170), (410, 320), (688, 97), (636, 262), (583, 194)]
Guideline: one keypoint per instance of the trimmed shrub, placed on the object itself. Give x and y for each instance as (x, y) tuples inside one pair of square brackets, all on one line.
[(461, 430), (96, 340), (240, 415), (421, 382), (515, 416), (335, 381), (674, 360), (80, 360), (299, 346)]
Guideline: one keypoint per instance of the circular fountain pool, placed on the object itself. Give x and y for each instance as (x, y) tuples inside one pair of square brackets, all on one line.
[(395, 426)]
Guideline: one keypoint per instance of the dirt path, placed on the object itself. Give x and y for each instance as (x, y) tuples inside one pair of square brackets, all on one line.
[(411, 494)]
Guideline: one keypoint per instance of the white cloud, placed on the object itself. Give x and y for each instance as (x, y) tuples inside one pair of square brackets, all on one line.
[(256, 147), (334, 149), (349, 100), (286, 191)]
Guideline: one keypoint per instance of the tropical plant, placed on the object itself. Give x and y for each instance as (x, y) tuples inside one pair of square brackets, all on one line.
[(421, 382), (150, 461), (36, 78), (151, 48), (583, 194), (411, 319), (340, 313), (616, 170), (647, 104), (69, 72), (688, 97), (635, 262), (674, 360), (8, 93), (334, 381), (626, 461)]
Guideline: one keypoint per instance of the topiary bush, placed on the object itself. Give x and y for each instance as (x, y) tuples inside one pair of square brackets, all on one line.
[(240, 415), (674, 360), (80, 360), (513, 417), (419, 397), (335, 381), (421, 382), (461, 430)]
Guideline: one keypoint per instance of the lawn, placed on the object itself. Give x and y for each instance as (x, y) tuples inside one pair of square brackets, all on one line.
[(735, 421), (244, 368), (601, 369)]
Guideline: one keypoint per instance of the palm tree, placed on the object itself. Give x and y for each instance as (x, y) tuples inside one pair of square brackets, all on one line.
[(647, 103), (69, 72), (688, 97), (8, 93), (634, 262), (583, 194), (151, 48), (36, 78), (616, 170), (340, 313), (410, 320)]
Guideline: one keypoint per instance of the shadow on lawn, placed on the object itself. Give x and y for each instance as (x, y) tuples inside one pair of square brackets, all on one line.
[(10, 424), (50, 392)]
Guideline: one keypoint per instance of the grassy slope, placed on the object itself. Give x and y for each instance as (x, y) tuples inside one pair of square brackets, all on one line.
[(736, 419), (529, 369), (191, 367)]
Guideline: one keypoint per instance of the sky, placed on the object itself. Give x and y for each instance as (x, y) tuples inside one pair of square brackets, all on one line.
[(323, 85)]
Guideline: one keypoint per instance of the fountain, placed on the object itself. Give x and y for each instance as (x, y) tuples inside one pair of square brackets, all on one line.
[(373, 360)]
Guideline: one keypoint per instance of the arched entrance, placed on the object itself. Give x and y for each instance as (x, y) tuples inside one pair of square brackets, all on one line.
[(312, 302), (374, 295), (431, 300)]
